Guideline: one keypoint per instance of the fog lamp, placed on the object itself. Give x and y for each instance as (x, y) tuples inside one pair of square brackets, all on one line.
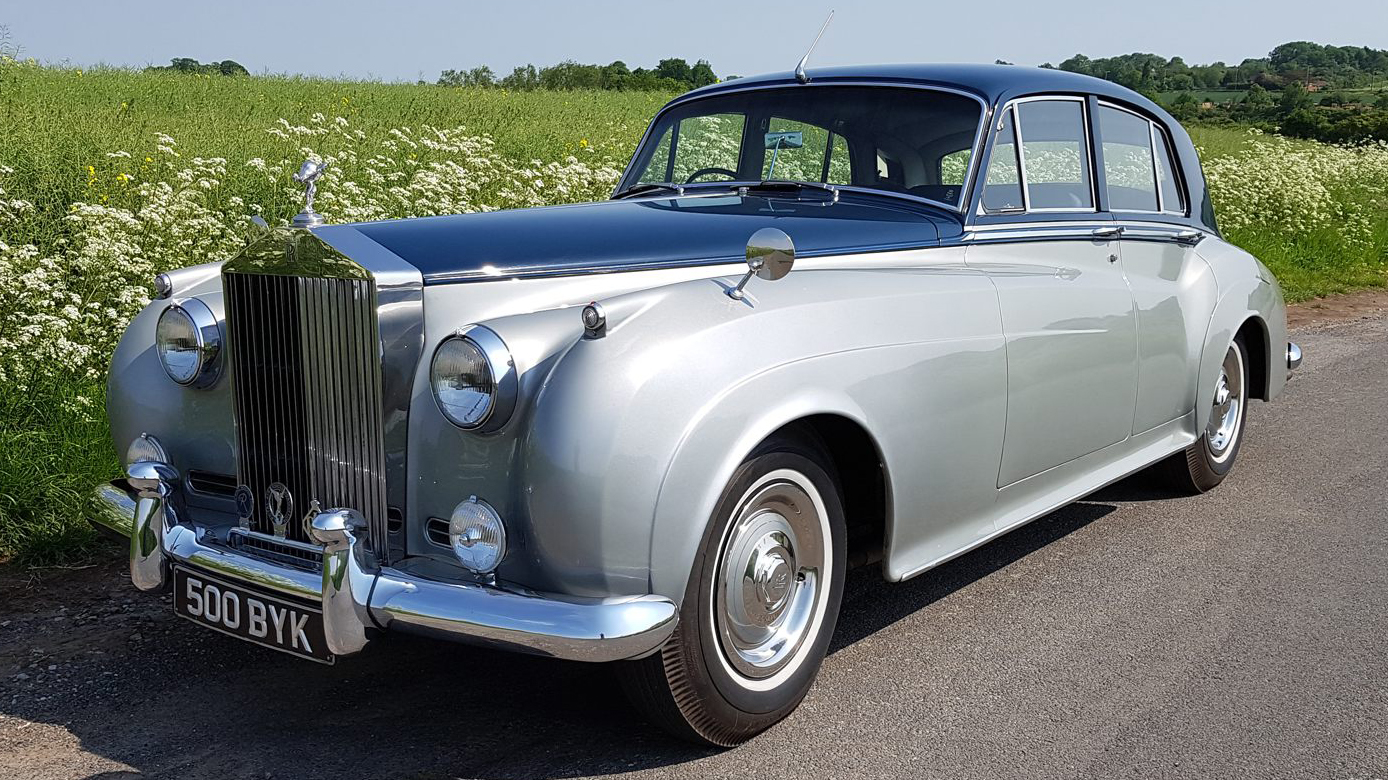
[(477, 536)]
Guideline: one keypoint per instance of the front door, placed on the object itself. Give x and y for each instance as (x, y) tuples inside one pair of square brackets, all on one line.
[(1067, 311)]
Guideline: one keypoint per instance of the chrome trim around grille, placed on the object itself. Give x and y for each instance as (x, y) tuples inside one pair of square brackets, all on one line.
[(400, 324), (305, 351)]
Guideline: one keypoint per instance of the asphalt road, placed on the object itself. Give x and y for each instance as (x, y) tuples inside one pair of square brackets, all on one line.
[(1243, 633)]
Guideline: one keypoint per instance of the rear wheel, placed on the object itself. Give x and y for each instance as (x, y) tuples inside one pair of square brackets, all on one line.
[(760, 607), (1205, 463)]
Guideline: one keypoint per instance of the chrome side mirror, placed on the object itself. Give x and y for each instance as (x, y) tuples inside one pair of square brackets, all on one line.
[(770, 256)]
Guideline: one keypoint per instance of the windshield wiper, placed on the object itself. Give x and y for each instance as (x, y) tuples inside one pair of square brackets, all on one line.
[(637, 189), (789, 184)]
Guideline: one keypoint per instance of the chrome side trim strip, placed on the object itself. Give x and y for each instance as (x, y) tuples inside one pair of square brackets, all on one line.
[(1064, 231)]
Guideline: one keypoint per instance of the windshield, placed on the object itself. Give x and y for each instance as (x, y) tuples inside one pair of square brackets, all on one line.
[(911, 141)]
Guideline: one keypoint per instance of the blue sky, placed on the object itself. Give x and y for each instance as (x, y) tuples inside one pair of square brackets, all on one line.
[(410, 40)]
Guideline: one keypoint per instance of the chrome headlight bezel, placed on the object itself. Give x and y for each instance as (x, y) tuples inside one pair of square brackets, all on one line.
[(207, 336), (505, 383)]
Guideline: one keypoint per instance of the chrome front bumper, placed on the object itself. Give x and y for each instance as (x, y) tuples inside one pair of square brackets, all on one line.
[(358, 597)]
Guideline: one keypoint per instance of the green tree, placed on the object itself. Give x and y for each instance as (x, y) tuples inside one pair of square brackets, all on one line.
[(675, 69), (1294, 98), (701, 75), (523, 77), (616, 76)]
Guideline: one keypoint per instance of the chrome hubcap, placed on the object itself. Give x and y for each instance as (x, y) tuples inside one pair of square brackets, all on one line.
[(1226, 416), (771, 576)]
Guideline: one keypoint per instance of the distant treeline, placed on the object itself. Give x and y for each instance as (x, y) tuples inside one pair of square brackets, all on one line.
[(1312, 65), (1327, 93), (672, 75), (190, 65)]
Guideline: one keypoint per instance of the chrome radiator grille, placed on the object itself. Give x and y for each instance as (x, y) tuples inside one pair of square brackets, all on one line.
[(306, 377)]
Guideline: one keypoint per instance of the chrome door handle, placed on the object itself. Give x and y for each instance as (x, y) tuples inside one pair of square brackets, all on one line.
[(1107, 232), (1189, 237)]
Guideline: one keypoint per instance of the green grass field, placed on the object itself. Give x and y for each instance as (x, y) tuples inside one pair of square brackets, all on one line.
[(107, 176)]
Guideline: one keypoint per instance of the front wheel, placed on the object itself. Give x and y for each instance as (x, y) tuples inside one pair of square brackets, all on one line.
[(760, 607), (1205, 463)]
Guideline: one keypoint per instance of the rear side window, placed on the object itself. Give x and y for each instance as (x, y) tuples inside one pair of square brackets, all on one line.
[(1171, 198), (1130, 171), (1139, 172), (1055, 155)]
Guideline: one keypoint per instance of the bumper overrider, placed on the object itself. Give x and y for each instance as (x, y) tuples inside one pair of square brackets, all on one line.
[(359, 598)]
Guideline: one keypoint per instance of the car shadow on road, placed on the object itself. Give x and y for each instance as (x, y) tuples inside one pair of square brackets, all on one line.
[(189, 703)]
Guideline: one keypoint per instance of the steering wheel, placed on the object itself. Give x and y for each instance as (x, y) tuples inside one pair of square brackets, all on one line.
[(732, 175)]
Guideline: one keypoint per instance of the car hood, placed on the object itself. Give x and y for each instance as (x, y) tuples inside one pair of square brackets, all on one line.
[(628, 235)]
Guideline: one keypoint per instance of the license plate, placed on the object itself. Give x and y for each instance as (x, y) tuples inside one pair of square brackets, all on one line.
[(290, 626)]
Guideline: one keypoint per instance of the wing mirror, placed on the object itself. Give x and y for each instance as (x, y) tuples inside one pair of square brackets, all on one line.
[(770, 256)]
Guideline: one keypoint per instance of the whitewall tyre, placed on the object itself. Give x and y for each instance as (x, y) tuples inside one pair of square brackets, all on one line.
[(1206, 463), (760, 607)]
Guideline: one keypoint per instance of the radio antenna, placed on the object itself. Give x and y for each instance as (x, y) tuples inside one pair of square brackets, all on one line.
[(800, 74)]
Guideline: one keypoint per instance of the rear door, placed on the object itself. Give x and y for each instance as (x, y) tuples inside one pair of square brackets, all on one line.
[(1174, 290), (1066, 308)]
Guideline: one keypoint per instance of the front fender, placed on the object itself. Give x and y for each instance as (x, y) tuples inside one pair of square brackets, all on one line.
[(635, 434)]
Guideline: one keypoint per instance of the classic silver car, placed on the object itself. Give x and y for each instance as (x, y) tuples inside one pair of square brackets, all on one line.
[(629, 432)]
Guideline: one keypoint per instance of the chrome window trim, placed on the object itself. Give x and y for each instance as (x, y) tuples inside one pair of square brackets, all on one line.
[(1086, 148), (976, 148), (1154, 131)]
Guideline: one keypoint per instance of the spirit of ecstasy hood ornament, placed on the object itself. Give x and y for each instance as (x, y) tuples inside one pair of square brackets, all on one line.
[(308, 176)]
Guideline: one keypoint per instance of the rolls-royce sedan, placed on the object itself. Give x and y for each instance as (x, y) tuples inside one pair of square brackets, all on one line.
[(850, 316)]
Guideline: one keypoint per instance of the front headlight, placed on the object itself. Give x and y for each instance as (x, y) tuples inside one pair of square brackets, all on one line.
[(474, 379), (188, 340)]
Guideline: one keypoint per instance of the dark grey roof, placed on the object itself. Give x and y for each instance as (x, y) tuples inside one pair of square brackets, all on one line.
[(990, 82)]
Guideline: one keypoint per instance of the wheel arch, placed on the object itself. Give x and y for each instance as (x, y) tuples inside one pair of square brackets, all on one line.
[(1254, 333), (722, 439), (1256, 313), (860, 471)]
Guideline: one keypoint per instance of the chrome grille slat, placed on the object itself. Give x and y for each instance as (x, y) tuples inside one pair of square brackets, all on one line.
[(306, 375)]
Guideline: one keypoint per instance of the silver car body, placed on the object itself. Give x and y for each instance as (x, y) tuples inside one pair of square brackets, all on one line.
[(990, 376)]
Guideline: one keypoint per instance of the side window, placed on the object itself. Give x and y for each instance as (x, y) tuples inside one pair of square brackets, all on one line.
[(1129, 171), (1055, 155), (1171, 197), (954, 167), (1002, 190), (705, 142)]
